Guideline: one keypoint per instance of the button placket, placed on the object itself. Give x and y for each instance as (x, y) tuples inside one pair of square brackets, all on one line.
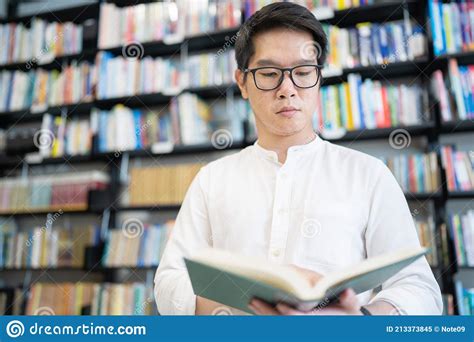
[(280, 222)]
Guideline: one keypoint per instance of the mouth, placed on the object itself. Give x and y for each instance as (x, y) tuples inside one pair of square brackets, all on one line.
[(288, 111)]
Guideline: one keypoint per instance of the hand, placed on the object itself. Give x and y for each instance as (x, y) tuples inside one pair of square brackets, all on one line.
[(348, 304), (312, 276)]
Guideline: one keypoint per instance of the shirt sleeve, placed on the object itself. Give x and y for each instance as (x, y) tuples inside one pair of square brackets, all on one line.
[(173, 290), (413, 290)]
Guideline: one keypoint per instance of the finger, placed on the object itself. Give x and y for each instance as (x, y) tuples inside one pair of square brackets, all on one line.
[(349, 301), (263, 308), (287, 310)]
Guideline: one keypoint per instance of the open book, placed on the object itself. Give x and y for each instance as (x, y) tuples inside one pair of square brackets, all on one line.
[(234, 280)]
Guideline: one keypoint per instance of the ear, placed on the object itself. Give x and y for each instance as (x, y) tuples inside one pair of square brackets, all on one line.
[(239, 78)]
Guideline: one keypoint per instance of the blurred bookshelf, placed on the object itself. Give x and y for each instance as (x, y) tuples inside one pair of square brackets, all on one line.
[(170, 139)]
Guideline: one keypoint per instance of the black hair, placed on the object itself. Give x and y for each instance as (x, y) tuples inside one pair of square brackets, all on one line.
[(279, 14)]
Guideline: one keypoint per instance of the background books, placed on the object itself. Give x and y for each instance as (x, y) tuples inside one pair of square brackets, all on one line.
[(165, 21), (251, 6), (416, 173), (142, 249), (427, 235), (53, 192), (358, 104), (45, 247), (465, 299), (459, 168), (119, 76), (63, 136), (40, 88), (42, 41), (373, 43), (452, 26), (454, 91), (90, 298), (462, 233), (164, 185)]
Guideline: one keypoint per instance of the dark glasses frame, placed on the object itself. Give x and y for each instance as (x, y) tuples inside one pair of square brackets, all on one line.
[(290, 70)]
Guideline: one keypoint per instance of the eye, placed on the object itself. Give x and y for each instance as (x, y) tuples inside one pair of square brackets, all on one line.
[(269, 74), (303, 73)]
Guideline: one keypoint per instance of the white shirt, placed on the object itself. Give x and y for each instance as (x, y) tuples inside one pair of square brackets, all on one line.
[(327, 207)]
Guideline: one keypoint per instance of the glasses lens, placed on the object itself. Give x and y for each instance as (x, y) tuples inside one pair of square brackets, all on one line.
[(267, 78), (305, 76)]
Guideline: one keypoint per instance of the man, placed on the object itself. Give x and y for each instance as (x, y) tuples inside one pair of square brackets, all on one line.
[(292, 197)]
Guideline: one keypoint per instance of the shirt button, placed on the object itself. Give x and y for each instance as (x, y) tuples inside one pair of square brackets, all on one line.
[(276, 252)]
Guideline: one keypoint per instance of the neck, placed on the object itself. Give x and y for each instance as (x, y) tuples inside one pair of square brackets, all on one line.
[(281, 144)]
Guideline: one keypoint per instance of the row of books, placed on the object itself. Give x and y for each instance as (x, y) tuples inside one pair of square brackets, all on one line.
[(358, 104), (38, 89), (462, 233), (121, 76), (91, 299), (168, 21), (454, 91), (459, 168), (40, 42), (210, 69), (372, 43), (125, 129), (188, 120), (61, 136), (199, 122), (163, 185), (136, 244), (426, 233), (465, 299), (416, 173), (44, 247), (251, 6), (452, 26), (50, 192)]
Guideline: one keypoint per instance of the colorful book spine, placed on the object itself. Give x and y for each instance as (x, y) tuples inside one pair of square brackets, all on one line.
[(50, 192), (370, 104), (165, 21), (462, 233), (459, 168), (416, 173), (451, 26), (142, 244), (39, 43)]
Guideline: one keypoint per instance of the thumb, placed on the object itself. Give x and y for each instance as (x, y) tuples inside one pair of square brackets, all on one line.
[(349, 301)]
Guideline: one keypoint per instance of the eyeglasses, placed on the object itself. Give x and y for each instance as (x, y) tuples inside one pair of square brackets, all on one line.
[(270, 78)]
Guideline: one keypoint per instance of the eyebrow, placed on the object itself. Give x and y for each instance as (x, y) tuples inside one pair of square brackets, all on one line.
[(270, 62)]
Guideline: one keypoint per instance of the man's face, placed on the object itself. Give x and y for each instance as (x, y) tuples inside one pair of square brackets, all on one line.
[(282, 48)]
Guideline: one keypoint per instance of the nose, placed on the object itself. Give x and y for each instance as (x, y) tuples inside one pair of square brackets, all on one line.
[(287, 88)]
